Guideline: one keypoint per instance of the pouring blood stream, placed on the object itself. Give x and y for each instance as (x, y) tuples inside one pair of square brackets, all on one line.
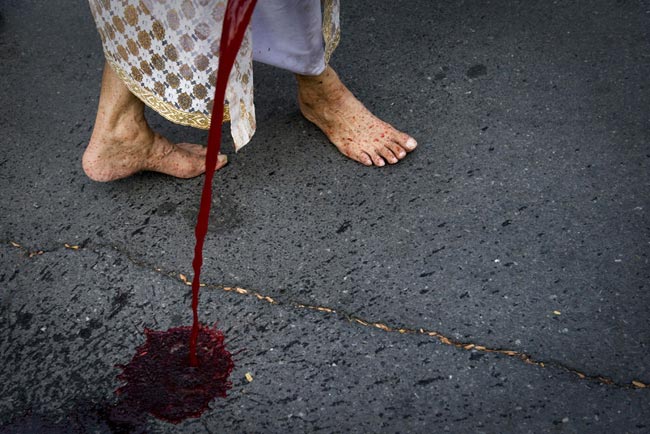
[(238, 15), (176, 373)]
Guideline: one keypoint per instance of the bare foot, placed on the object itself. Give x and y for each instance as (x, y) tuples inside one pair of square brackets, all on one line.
[(357, 133), (123, 144), (110, 156)]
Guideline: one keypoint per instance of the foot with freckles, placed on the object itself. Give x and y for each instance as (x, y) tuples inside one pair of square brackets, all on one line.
[(109, 157), (357, 133), (122, 143)]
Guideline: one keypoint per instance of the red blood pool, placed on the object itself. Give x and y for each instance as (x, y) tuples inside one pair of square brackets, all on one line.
[(159, 378)]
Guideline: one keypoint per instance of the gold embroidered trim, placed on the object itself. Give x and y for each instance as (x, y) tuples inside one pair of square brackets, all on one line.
[(331, 39), (163, 108)]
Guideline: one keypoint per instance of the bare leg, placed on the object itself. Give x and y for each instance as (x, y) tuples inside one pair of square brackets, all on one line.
[(122, 142), (357, 133)]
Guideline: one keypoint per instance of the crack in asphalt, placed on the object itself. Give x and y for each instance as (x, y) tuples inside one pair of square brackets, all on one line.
[(463, 345)]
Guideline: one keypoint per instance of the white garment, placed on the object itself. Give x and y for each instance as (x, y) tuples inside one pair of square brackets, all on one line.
[(288, 34)]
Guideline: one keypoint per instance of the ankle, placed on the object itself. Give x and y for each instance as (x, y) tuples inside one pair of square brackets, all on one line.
[(325, 88), (124, 128)]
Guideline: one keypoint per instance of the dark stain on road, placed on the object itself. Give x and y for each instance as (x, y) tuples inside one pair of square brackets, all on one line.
[(477, 70)]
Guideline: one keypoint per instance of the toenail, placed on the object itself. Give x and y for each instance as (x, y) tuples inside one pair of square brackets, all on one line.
[(411, 143)]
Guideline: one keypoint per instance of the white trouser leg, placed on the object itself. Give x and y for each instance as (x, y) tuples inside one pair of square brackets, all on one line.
[(288, 34)]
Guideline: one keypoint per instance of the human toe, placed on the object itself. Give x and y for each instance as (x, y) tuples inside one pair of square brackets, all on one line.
[(388, 155), (410, 144), (376, 158), (364, 159), (222, 160), (398, 151), (405, 141)]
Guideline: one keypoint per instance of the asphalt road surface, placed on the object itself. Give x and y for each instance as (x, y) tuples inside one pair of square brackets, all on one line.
[(496, 280)]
